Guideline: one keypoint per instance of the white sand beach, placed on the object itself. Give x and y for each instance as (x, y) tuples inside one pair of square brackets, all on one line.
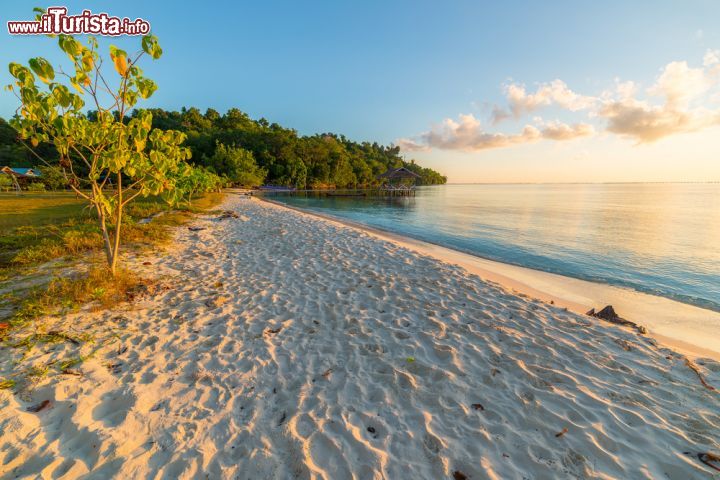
[(282, 346), (685, 328)]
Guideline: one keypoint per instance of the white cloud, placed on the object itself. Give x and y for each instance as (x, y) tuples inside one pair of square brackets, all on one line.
[(711, 58), (680, 84), (556, 92), (467, 134), (685, 92), (647, 123), (682, 99), (562, 131), (410, 145)]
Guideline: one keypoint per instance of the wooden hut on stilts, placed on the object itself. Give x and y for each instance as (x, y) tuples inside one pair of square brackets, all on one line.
[(398, 182)]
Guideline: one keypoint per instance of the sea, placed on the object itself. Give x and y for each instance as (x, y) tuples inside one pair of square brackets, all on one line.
[(657, 238)]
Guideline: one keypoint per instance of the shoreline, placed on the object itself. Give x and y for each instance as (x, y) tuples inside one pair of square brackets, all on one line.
[(658, 314)]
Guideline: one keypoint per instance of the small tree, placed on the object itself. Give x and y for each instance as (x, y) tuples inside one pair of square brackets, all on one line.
[(238, 164), (107, 159), (53, 177), (194, 180)]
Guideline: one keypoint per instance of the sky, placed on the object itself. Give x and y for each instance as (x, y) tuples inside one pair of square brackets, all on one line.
[(480, 91)]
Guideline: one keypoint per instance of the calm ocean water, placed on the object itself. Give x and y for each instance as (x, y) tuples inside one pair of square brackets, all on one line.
[(662, 239)]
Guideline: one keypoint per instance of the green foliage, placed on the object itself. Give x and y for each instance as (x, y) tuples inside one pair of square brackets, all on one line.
[(115, 158), (53, 178), (193, 180), (427, 175), (237, 164), (151, 46), (35, 187), (315, 161), (6, 182)]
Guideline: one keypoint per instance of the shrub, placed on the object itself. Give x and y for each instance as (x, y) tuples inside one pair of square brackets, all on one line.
[(53, 178), (6, 183), (35, 187)]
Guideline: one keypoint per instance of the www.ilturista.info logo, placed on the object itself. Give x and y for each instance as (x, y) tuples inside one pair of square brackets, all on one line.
[(56, 21)]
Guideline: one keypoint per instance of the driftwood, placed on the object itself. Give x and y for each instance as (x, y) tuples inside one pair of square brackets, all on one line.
[(706, 458), (228, 214), (695, 369), (608, 314)]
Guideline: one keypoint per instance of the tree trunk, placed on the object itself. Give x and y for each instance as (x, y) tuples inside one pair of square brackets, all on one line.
[(116, 246), (106, 236)]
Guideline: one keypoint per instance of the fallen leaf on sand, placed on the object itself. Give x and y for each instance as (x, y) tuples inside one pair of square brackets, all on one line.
[(39, 406)]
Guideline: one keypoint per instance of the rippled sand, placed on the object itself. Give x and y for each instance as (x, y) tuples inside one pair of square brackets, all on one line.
[(287, 346)]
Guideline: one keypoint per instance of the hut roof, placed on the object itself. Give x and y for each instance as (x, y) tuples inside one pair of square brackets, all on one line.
[(20, 172), (401, 172)]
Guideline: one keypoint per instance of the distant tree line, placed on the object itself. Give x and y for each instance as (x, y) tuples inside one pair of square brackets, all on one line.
[(254, 152)]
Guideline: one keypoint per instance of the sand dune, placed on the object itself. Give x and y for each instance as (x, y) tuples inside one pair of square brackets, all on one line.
[(286, 346)]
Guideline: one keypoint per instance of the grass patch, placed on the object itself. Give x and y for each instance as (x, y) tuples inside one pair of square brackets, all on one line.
[(71, 231), (71, 234), (36, 209), (68, 294)]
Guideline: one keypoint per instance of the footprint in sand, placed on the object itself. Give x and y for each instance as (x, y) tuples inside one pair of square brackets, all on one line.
[(114, 407)]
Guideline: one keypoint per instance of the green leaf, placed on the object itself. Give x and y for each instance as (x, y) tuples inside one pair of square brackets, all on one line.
[(70, 46), (42, 69), (151, 46), (146, 87), (39, 12), (77, 102), (62, 95)]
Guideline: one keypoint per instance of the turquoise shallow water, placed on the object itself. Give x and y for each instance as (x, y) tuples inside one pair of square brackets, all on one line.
[(662, 239)]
